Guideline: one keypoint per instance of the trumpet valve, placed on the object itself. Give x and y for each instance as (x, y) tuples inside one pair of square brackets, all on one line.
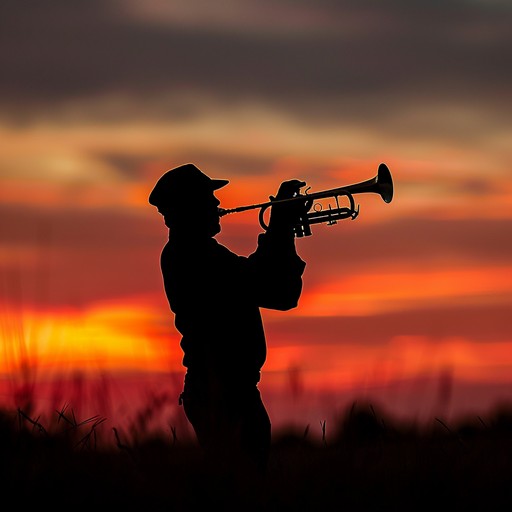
[(331, 219)]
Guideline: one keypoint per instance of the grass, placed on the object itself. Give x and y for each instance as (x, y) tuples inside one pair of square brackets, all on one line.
[(367, 462)]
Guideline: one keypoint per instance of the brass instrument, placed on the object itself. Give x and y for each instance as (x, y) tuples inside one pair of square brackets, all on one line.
[(381, 184)]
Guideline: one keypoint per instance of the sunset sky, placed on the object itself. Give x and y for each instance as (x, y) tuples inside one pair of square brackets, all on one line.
[(99, 98)]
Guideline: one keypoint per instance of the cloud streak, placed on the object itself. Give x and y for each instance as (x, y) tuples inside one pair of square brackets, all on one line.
[(298, 59)]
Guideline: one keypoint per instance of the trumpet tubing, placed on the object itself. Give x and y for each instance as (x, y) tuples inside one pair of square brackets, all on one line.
[(381, 183)]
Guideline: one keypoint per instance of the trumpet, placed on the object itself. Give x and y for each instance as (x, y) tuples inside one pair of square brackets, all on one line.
[(312, 212)]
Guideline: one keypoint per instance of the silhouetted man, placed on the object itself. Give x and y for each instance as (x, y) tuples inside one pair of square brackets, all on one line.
[(216, 298)]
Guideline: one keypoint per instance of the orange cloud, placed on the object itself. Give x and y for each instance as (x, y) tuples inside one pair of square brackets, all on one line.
[(370, 292)]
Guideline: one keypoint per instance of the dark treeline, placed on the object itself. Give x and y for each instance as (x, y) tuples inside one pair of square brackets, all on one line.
[(367, 462)]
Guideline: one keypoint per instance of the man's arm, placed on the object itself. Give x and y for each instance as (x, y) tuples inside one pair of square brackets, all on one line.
[(277, 268)]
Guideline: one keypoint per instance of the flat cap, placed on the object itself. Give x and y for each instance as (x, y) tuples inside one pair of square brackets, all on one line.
[(178, 184)]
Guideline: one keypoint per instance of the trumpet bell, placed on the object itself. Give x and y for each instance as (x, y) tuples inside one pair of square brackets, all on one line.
[(381, 184), (385, 183)]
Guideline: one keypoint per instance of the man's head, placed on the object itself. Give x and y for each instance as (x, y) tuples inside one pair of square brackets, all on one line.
[(185, 197)]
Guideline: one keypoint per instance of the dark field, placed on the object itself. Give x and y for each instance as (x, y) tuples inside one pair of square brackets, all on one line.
[(368, 462)]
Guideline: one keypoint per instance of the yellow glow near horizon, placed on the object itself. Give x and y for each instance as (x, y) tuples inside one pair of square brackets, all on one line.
[(109, 337), (115, 337)]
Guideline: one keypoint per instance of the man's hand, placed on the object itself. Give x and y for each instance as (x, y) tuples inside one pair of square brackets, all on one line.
[(288, 189), (284, 217)]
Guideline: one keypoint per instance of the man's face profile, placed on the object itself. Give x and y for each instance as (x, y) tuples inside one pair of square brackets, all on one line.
[(200, 219)]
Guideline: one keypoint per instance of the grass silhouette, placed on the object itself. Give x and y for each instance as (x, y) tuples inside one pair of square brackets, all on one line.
[(368, 462)]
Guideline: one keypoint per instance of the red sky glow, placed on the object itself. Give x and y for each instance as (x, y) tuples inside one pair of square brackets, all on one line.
[(411, 292)]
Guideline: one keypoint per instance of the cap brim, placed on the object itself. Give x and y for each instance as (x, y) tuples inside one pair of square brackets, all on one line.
[(216, 184)]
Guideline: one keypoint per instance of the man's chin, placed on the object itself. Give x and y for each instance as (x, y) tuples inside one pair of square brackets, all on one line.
[(215, 229)]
